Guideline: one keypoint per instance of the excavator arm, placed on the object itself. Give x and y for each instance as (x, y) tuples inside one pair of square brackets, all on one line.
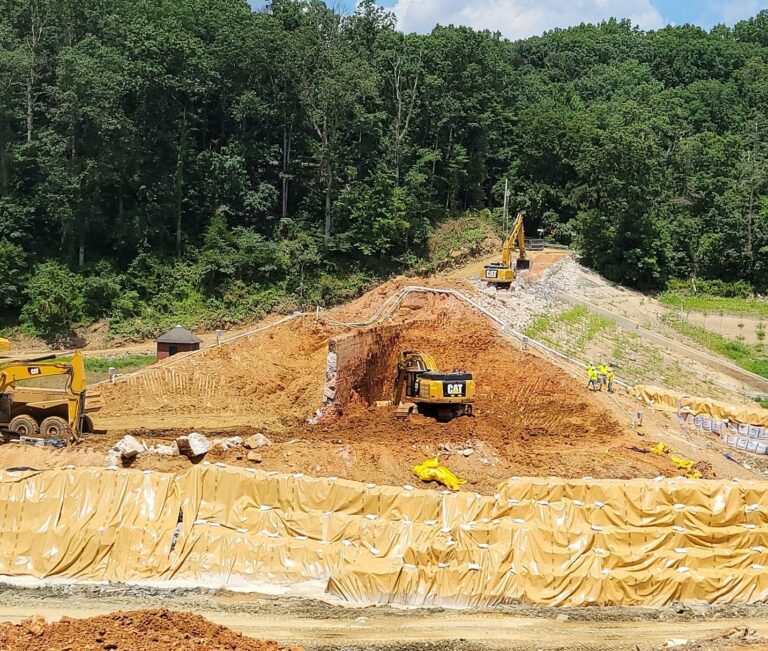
[(75, 389), (410, 360), (517, 235)]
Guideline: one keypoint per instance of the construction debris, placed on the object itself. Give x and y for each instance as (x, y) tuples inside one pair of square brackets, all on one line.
[(129, 447), (229, 443), (690, 468), (171, 450), (194, 444), (254, 457), (256, 441)]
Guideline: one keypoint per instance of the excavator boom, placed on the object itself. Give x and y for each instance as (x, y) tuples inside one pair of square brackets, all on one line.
[(504, 273)]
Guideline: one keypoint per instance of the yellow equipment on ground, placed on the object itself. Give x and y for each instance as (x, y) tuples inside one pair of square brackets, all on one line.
[(428, 390), (431, 470), (69, 428), (503, 274)]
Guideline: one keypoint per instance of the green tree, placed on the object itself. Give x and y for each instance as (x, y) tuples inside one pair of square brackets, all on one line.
[(54, 300)]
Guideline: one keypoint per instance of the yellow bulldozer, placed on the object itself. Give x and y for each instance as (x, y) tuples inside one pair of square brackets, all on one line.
[(26, 412), (429, 391), (503, 274)]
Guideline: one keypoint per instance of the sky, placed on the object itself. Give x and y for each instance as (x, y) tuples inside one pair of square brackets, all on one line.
[(522, 18)]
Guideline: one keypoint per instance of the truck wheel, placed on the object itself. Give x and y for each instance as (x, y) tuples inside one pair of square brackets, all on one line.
[(54, 427), (24, 425)]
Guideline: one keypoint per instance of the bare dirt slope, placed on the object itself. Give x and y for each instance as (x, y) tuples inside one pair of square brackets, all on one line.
[(532, 417), (272, 379)]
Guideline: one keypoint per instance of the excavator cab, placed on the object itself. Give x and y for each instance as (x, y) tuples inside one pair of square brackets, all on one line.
[(428, 390)]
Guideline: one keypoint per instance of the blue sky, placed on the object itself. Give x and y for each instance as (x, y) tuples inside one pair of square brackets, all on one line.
[(521, 18)]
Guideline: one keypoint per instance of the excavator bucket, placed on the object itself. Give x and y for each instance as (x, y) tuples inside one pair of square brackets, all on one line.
[(522, 265), (404, 410)]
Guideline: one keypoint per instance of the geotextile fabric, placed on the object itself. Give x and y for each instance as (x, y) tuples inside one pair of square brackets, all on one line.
[(542, 541), (666, 400)]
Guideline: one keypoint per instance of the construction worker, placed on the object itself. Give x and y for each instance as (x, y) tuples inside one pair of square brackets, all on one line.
[(602, 372), (592, 377), (611, 377)]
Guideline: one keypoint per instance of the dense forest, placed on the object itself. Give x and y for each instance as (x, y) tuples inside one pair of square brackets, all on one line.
[(196, 161)]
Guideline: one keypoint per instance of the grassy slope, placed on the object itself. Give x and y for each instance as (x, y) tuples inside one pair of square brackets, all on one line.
[(749, 357), (716, 304)]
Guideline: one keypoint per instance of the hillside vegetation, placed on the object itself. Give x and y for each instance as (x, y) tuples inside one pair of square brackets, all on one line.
[(194, 161)]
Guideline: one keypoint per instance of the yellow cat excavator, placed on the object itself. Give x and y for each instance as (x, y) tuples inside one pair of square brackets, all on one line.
[(428, 390), (52, 426), (503, 274)]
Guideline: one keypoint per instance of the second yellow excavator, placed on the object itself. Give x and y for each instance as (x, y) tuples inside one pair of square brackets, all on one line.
[(503, 274), (428, 390)]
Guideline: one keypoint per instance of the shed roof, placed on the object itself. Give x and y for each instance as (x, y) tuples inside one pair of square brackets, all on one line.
[(178, 335)]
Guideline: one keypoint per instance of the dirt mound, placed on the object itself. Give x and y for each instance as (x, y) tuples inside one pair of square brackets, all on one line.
[(366, 305), (142, 630), (272, 379), (531, 418)]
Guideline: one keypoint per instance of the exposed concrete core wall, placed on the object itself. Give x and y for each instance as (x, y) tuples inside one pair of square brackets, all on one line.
[(361, 362)]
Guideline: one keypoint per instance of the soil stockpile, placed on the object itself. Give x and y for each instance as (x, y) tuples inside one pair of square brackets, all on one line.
[(142, 630)]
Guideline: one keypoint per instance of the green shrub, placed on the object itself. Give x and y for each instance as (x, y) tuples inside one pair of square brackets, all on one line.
[(54, 300), (719, 288), (99, 295)]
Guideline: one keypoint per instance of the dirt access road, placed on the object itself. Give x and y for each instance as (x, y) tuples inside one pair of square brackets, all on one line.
[(322, 627)]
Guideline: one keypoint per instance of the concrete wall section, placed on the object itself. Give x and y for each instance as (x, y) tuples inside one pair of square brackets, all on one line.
[(361, 362)]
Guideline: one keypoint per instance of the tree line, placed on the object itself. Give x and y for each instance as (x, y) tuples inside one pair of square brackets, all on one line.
[(175, 158)]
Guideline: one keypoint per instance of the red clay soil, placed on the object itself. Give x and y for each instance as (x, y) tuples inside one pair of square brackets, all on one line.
[(142, 630), (531, 417)]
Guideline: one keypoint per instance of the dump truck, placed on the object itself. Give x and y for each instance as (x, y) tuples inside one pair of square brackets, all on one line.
[(428, 390)]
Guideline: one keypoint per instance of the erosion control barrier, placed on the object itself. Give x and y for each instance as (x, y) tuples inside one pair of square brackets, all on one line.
[(539, 541), (666, 400)]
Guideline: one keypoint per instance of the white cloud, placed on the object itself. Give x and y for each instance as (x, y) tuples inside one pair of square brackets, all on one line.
[(521, 18), (736, 10)]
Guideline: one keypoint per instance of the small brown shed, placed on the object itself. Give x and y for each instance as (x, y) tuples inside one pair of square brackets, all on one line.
[(176, 340)]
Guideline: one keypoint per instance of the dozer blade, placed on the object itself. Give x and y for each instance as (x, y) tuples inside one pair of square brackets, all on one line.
[(523, 265), (404, 410)]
